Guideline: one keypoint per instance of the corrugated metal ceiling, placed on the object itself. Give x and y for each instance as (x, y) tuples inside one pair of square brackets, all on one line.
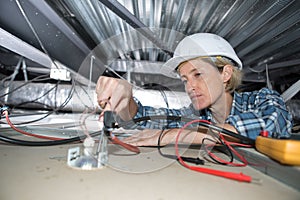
[(263, 32)]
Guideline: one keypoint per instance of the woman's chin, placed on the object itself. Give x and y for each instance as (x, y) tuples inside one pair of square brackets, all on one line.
[(199, 106)]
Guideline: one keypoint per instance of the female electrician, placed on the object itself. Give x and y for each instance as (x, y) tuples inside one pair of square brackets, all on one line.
[(210, 71)]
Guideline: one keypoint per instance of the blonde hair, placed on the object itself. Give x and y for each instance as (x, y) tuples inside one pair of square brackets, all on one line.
[(219, 62), (236, 78)]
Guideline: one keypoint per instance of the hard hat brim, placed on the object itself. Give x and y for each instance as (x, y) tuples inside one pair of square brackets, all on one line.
[(170, 67)]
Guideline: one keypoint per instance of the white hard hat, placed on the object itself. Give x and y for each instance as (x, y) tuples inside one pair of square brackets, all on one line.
[(196, 45)]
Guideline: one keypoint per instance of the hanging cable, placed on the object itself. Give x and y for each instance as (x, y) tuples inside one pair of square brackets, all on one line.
[(38, 78), (53, 140), (34, 31), (53, 109), (24, 132), (40, 97)]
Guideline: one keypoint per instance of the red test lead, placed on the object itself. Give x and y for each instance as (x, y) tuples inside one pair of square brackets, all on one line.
[(230, 175)]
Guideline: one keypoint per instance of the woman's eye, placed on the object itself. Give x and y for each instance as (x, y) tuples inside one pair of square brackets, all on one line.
[(197, 74), (184, 81)]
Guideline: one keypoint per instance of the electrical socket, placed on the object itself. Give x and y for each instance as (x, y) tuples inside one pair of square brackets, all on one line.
[(60, 74), (73, 155)]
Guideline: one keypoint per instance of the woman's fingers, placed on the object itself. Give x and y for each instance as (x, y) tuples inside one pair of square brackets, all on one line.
[(116, 95)]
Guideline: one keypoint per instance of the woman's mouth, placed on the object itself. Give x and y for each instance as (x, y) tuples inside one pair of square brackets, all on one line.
[(195, 96)]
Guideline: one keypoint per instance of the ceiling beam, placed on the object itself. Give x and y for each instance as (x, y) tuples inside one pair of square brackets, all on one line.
[(18, 46), (52, 16), (127, 16)]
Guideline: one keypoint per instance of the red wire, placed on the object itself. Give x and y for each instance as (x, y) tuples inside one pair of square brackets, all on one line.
[(116, 140), (26, 133), (224, 174), (245, 162), (129, 147), (228, 144)]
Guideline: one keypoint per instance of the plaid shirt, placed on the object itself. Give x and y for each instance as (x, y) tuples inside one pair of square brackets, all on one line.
[(251, 113)]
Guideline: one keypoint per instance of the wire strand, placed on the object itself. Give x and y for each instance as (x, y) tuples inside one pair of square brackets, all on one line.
[(34, 31), (27, 133), (224, 174)]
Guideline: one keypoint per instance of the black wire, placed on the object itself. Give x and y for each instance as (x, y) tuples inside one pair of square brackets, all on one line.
[(34, 32), (221, 145), (160, 88), (242, 138), (54, 110), (34, 100), (45, 143), (22, 85), (36, 120), (45, 106), (83, 89), (69, 96), (196, 160), (37, 143), (159, 147), (219, 149), (38, 78)]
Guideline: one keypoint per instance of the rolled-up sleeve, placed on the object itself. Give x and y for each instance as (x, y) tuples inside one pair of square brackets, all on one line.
[(144, 111), (261, 110)]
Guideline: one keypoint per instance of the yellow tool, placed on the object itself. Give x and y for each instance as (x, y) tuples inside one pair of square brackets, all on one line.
[(286, 151)]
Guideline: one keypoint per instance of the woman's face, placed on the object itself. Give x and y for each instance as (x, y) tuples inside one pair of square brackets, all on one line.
[(203, 83)]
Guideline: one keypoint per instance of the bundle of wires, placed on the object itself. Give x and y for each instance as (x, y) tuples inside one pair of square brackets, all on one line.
[(245, 142), (230, 175), (4, 109), (50, 140), (182, 160), (50, 108)]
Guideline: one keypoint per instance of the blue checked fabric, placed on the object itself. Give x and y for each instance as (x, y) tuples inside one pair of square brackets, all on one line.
[(251, 113)]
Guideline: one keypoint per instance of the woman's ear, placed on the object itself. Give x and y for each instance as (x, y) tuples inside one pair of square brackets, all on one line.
[(227, 73)]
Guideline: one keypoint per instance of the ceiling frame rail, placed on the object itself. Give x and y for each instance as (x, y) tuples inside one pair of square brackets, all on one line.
[(129, 18)]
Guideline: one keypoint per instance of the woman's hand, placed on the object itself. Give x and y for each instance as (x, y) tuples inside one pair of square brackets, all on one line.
[(149, 137), (116, 95)]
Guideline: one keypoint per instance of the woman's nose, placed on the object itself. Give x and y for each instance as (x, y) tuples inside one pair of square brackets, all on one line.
[(190, 86)]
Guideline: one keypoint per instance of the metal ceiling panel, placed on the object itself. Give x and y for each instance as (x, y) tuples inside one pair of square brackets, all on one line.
[(263, 32), (24, 19)]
